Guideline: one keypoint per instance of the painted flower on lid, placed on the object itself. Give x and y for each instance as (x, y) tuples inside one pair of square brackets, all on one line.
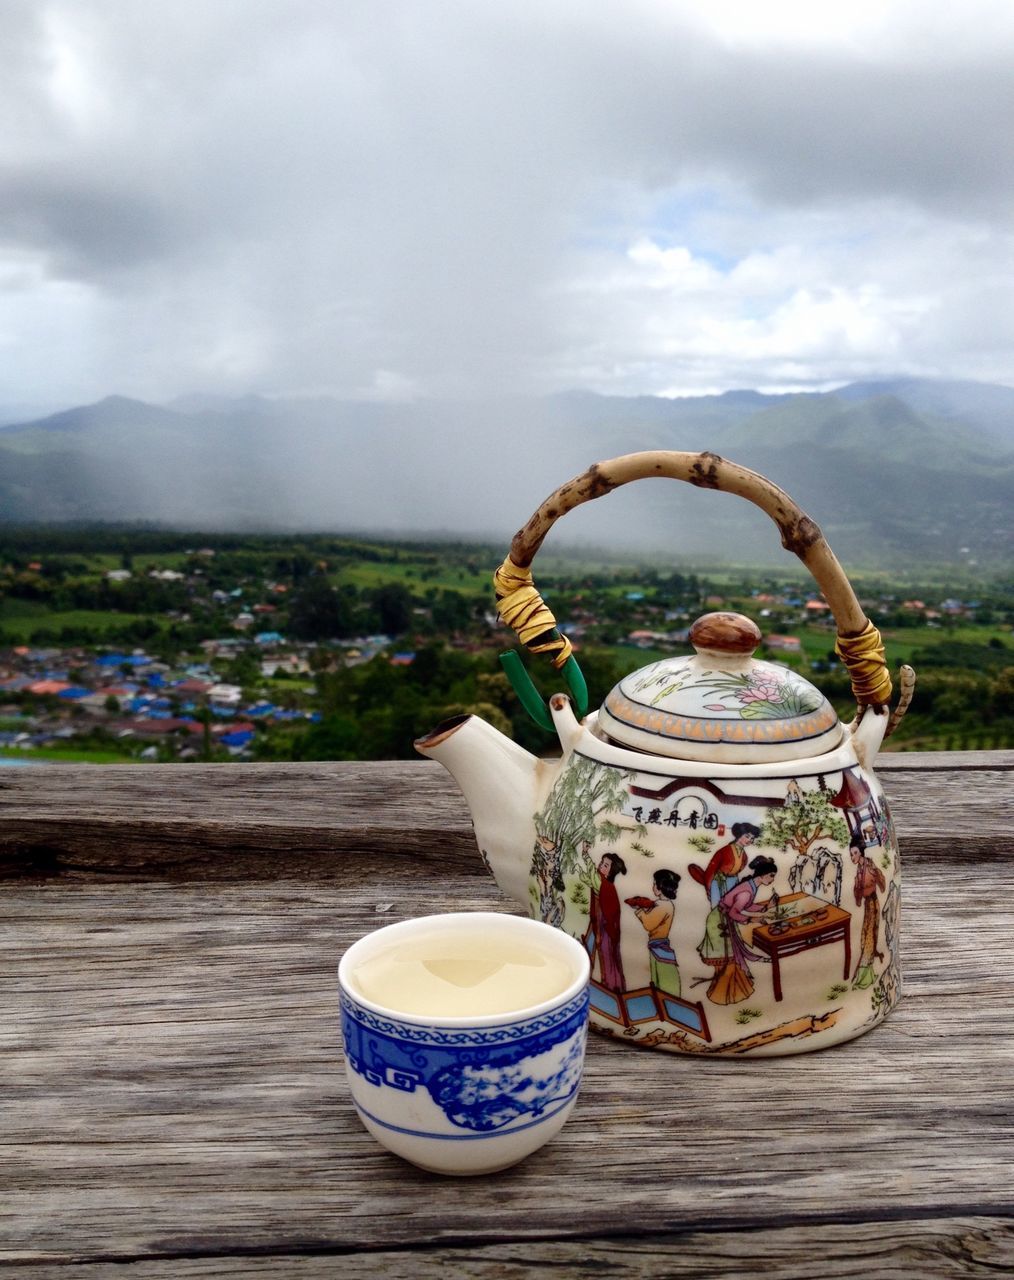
[(762, 695), (689, 705)]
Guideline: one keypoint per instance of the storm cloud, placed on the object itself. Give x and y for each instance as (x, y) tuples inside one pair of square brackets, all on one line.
[(399, 200)]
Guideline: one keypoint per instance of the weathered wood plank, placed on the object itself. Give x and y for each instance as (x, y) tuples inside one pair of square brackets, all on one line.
[(228, 821), (172, 1090), (239, 821), (943, 761), (931, 1249)]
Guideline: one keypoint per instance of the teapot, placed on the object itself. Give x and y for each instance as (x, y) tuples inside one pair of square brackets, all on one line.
[(713, 835)]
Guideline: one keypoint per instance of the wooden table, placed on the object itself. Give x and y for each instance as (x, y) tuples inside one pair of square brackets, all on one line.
[(172, 1102), (794, 937)]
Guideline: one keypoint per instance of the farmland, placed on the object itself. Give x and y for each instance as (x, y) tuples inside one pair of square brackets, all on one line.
[(137, 644)]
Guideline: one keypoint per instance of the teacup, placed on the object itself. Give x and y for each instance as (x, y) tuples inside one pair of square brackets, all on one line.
[(464, 1037)]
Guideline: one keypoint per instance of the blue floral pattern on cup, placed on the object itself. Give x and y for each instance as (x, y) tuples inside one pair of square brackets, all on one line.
[(484, 1079)]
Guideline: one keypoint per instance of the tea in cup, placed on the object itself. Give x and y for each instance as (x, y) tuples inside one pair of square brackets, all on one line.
[(464, 1037)]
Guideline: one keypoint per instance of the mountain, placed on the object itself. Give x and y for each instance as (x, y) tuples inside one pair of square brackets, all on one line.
[(900, 470), (981, 405)]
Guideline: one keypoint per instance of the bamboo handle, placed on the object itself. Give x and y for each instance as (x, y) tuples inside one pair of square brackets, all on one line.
[(520, 605)]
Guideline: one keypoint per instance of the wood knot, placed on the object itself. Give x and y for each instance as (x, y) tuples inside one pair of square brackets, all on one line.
[(799, 535), (704, 472), (595, 483)]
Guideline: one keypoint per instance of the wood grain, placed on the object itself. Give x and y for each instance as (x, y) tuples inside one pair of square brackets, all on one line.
[(930, 1249), (244, 821), (228, 821), (172, 1101), (172, 1086)]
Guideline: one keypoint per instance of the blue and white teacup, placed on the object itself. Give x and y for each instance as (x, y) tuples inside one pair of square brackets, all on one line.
[(464, 1037)]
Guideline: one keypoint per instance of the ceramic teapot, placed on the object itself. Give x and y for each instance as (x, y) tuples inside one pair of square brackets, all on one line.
[(713, 835)]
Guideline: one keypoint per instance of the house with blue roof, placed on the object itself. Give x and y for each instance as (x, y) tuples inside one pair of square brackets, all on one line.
[(122, 659)]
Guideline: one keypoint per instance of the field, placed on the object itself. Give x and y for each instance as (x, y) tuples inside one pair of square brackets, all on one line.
[(20, 619), (344, 607)]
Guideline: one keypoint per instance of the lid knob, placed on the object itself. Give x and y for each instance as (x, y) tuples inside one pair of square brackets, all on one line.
[(731, 633)]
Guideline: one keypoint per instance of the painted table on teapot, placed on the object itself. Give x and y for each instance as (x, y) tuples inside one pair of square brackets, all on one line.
[(810, 922), (173, 1104)]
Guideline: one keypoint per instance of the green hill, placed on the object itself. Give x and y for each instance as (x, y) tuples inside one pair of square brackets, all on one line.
[(906, 470)]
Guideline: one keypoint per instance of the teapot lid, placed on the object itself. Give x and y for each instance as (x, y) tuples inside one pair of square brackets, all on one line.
[(721, 704)]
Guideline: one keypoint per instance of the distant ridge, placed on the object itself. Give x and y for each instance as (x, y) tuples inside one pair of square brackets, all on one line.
[(895, 470), (110, 412)]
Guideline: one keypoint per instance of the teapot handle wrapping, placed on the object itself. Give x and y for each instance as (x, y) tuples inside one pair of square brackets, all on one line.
[(859, 644)]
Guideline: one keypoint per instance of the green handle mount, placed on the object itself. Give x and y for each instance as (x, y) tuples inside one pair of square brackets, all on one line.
[(532, 700)]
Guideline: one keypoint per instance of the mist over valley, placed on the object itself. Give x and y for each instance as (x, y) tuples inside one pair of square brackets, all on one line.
[(909, 469)]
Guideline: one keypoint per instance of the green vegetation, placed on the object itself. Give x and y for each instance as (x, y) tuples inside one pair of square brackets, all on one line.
[(69, 756), (358, 647), (22, 621)]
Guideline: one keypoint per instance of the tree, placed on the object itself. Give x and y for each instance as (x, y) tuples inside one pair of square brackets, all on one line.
[(427, 669), (801, 822), (203, 718), (393, 604), (1003, 691), (337, 737), (319, 612), (244, 670), (574, 817), (451, 611)]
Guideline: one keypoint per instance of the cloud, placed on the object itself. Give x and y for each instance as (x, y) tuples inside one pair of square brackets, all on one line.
[(453, 198), (872, 290)]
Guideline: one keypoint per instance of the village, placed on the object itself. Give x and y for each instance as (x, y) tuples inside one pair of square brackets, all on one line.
[(240, 654)]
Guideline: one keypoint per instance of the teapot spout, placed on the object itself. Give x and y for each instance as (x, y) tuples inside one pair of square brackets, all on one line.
[(500, 782)]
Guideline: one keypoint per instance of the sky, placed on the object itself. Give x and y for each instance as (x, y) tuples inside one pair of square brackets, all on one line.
[(420, 199)]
